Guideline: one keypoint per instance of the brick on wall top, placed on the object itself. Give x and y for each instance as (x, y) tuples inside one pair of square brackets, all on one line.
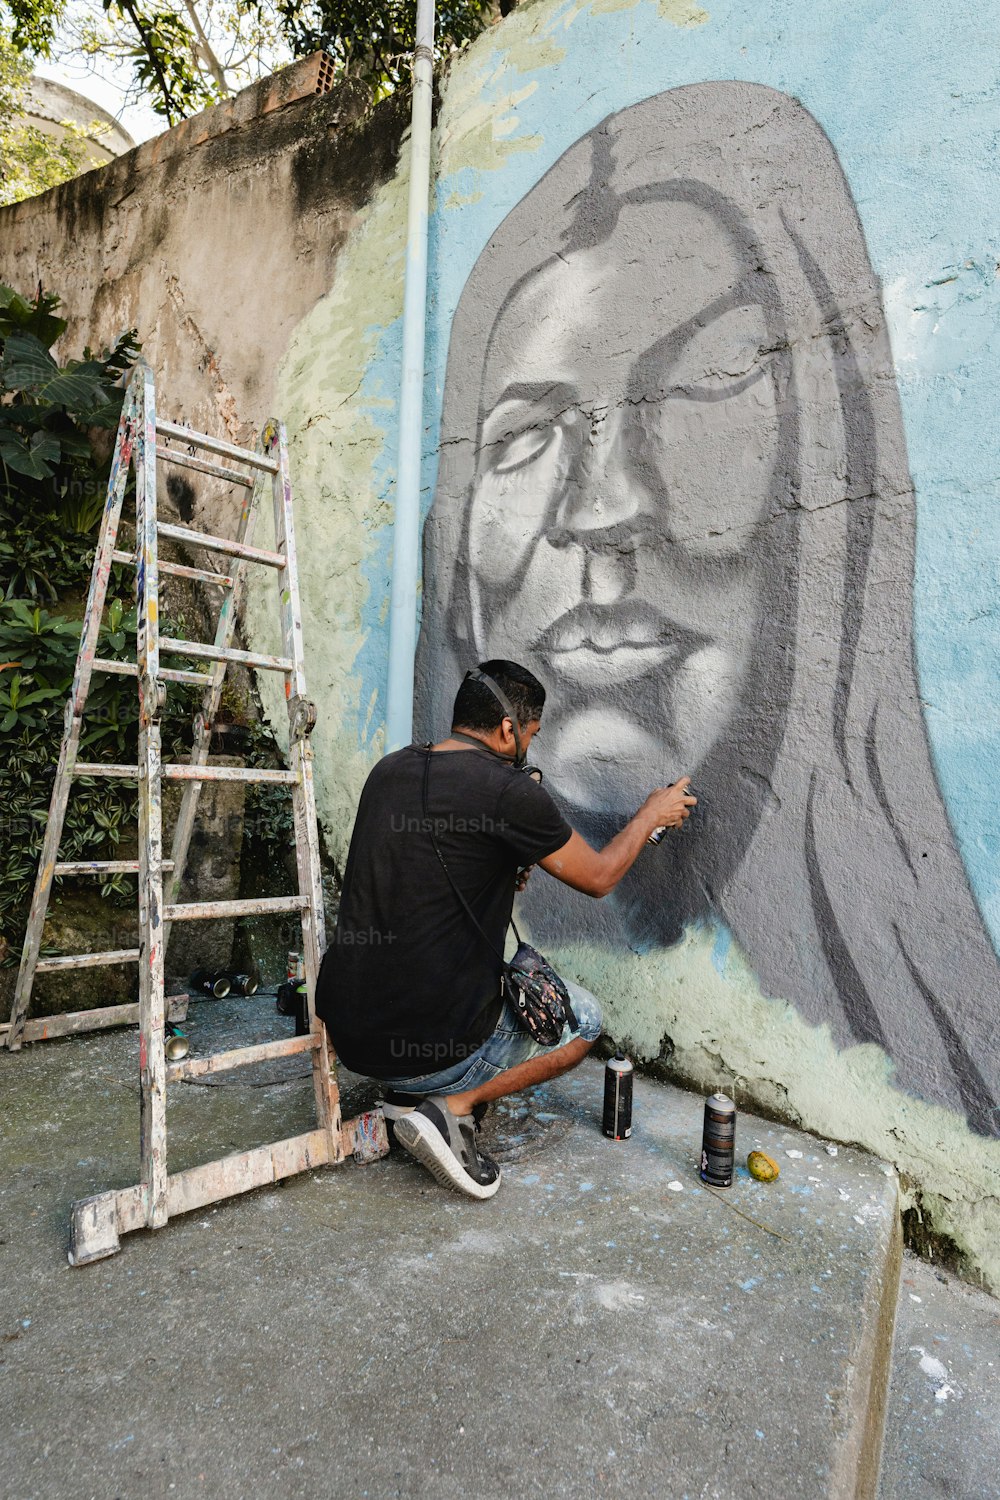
[(305, 79)]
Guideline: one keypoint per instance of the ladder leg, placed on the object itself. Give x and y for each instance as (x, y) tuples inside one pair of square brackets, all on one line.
[(210, 702), (152, 695), (301, 718), (99, 577)]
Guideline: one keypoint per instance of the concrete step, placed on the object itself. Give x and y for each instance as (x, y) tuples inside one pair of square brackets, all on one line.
[(943, 1425), (604, 1327)]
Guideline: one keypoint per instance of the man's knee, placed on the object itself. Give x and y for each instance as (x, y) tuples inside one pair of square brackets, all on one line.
[(589, 1021)]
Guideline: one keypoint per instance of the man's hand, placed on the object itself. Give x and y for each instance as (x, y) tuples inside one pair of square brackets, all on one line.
[(670, 806), (522, 877), (596, 873)]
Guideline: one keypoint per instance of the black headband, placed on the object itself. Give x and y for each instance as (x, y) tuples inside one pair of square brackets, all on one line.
[(508, 708)]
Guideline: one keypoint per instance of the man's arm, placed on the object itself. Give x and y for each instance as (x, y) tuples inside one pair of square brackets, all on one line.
[(596, 872)]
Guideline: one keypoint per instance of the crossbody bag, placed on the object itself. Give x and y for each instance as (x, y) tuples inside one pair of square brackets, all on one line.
[(531, 986)]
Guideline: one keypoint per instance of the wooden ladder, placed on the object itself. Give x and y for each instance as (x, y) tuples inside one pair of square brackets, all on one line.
[(98, 1222)]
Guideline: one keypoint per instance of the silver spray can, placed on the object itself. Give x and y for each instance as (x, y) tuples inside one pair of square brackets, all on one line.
[(718, 1141), (617, 1123)]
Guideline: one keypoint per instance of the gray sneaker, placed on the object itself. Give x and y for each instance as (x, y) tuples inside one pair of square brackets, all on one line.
[(396, 1104), (446, 1145)]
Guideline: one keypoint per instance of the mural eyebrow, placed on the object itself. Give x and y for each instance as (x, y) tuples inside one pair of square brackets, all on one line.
[(520, 390), (673, 342)]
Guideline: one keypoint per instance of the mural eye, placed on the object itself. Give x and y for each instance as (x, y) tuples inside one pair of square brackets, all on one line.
[(723, 359), (523, 448)]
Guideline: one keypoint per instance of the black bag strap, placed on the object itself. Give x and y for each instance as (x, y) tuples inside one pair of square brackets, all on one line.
[(441, 860)]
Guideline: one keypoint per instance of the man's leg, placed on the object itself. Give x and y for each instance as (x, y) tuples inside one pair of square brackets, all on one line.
[(539, 1065), (440, 1131), (536, 1070)]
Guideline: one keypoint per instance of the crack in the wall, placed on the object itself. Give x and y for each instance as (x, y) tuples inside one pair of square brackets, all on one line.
[(225, 402)]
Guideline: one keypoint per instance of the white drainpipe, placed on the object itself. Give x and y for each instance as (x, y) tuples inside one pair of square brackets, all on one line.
[(406, 531)]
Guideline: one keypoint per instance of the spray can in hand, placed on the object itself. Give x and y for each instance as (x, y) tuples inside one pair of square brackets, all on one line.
[(617, 1123), (718, 1141)]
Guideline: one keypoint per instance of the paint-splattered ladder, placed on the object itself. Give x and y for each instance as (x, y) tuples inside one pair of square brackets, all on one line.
[(98, 1222)]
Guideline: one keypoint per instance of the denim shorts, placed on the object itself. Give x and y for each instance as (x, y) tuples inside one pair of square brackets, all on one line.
[(509, 1045)]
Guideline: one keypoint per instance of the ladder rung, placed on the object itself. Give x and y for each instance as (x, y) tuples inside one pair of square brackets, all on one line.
[(240, 1057), (103, 866), (178, 570), (87, 960), (215, 445), (169, 674), (206, 910), (188, 461), (205, 651), (185, 771), (119, 773), (220, 544), (73, 1022)]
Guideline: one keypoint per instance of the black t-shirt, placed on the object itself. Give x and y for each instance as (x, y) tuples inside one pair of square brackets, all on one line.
[(409, 985)]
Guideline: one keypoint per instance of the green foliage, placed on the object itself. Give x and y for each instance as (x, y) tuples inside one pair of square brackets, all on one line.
[(375, 43), (33, 24), (187, 54), (53, 470), (164, 57), (54, 462)]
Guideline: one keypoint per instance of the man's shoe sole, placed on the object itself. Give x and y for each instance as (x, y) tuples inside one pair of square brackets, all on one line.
[(424, 1141)]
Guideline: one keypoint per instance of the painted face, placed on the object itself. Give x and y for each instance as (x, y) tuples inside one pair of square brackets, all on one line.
[(628, 445)]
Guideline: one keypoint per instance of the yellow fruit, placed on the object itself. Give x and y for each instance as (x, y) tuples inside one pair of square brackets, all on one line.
[(764, 1168)]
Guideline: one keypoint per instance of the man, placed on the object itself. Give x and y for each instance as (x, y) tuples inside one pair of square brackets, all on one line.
[(410, 988)]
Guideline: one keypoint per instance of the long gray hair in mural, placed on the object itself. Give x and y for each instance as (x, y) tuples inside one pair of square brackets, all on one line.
[(673, 481)]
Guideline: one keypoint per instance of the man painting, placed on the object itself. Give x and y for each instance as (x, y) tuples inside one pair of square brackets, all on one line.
[(410, 989)]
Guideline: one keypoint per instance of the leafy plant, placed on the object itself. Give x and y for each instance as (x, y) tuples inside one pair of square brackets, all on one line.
[(18, 698), (53, 469), (54, 463), (52, 487)]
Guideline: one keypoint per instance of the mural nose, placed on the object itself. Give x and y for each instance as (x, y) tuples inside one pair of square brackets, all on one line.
[(604, 498)]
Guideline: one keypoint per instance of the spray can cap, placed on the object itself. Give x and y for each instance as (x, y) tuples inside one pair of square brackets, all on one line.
[(619, 1056)]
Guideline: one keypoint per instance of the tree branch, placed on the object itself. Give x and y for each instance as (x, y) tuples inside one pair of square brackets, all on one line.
[(208, 56), (168, 98)]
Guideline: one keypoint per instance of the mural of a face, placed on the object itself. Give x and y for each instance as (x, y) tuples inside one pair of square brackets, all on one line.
[(618, 490), (674, 482)]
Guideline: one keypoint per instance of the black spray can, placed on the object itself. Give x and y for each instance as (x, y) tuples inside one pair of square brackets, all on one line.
[(243, 984), (617, 1122), (208, 982), (718, 1142)]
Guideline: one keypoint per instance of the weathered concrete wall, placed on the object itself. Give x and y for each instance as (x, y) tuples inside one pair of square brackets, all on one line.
[(709, 444), (214, 240)]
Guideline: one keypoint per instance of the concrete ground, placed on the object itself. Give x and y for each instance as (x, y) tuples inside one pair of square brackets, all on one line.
[(943, 1428), (605, 1326)]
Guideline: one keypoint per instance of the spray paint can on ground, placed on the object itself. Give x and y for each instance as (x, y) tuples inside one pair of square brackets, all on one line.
[(617, 1123), (718, 1141), (175, 1043), (208, 982), (244, 984)]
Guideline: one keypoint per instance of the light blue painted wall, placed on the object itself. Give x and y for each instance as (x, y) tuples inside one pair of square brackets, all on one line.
[(908, 95)]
